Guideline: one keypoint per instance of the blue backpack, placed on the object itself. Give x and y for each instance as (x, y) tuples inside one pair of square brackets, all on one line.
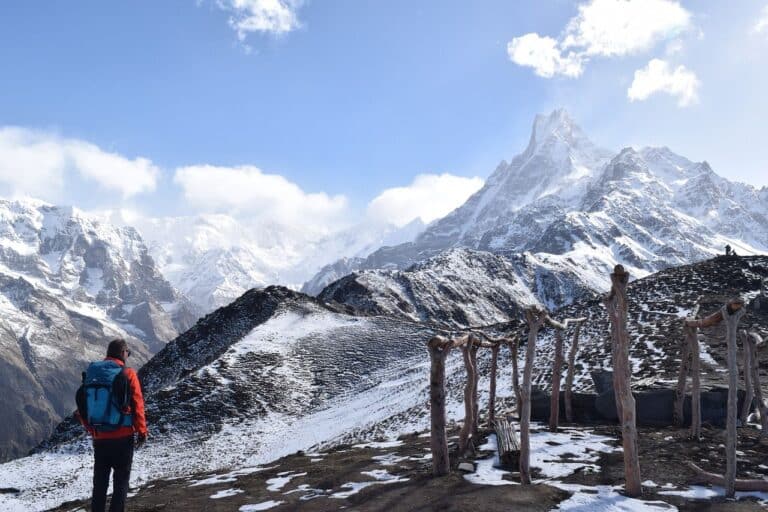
[(103, 399)]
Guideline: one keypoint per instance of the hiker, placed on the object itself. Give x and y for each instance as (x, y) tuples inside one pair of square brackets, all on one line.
[(728, 249), (111, 408)]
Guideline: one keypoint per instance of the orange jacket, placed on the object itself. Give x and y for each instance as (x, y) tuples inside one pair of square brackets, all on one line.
[(137, 409)]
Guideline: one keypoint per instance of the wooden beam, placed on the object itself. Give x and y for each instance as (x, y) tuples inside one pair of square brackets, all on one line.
[(716, 317), (758, 485)]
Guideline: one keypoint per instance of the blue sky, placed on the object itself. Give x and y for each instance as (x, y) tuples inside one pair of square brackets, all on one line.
[(345, 100)]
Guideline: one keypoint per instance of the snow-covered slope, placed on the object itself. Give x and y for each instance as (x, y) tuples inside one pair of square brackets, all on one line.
[(213, 259), (69, 284), (572, 204), (459, 288), (276, 372)]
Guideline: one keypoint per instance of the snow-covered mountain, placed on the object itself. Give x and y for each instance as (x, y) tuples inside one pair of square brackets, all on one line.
[(213, 259), (572, 204), (69, 284), (458, 288), (277, 371)]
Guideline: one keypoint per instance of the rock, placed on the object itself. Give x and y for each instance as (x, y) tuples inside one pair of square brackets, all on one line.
[(467, 467)]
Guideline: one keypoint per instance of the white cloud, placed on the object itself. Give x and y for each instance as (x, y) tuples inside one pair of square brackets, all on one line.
[(624, 27), (658, 76), (249, 193), (605, 28), (37, 163), (266, 16), (429, 196), (761, 25), (542, 54)]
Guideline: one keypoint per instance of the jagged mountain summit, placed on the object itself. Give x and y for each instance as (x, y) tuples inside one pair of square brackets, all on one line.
[(573, 204), (277, 371), (68, 284)]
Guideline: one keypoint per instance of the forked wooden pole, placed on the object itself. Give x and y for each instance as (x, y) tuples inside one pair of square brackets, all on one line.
[(755, 341), (473, 348), (513, 348), (682, 377), (492, 391), (692, 333), (731, 318), (571, 373), (616, 303), (438, 351), (746, 368), (557, 368), (535, 318), (469, 407)]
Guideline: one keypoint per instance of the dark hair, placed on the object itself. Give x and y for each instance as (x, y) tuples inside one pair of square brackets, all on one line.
[(116, 347)]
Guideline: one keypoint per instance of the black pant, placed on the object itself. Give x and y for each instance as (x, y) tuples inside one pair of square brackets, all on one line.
[(117, 455)]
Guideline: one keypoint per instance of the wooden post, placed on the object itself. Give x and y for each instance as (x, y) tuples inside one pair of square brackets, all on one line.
[(731, 318), (469, 407), (557, 369), (571, 373), (692, 333), (438, 351), (755, 341), (616, 303), (535, 318), (747, 370), (685, 351), (513, 346), (492, 392), (473, 348)]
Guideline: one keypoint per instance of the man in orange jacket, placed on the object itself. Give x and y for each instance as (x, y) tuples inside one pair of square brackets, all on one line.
[(113, 448)]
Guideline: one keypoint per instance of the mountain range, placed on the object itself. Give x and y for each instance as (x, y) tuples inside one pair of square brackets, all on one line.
[(69, 284), (576, 207), (546, 228)]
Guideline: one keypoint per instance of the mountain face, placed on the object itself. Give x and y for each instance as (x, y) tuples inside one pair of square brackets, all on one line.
[(213, 259), (569, 203), (68, 285), (458, 288), (277, 371)]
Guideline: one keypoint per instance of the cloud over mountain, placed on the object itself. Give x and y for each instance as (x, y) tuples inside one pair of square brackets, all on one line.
[(38, 163)]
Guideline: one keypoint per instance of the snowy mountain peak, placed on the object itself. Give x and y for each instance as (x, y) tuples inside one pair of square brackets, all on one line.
[(557, 124)]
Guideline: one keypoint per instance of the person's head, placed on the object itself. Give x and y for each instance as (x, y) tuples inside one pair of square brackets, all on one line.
[(118, 349)]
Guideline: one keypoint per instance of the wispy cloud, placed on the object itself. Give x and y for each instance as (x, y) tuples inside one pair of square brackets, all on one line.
[(38, 163), (761, 25), (248, 192), (429, 196), (659, 77), (602, 28), (264, 16)]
